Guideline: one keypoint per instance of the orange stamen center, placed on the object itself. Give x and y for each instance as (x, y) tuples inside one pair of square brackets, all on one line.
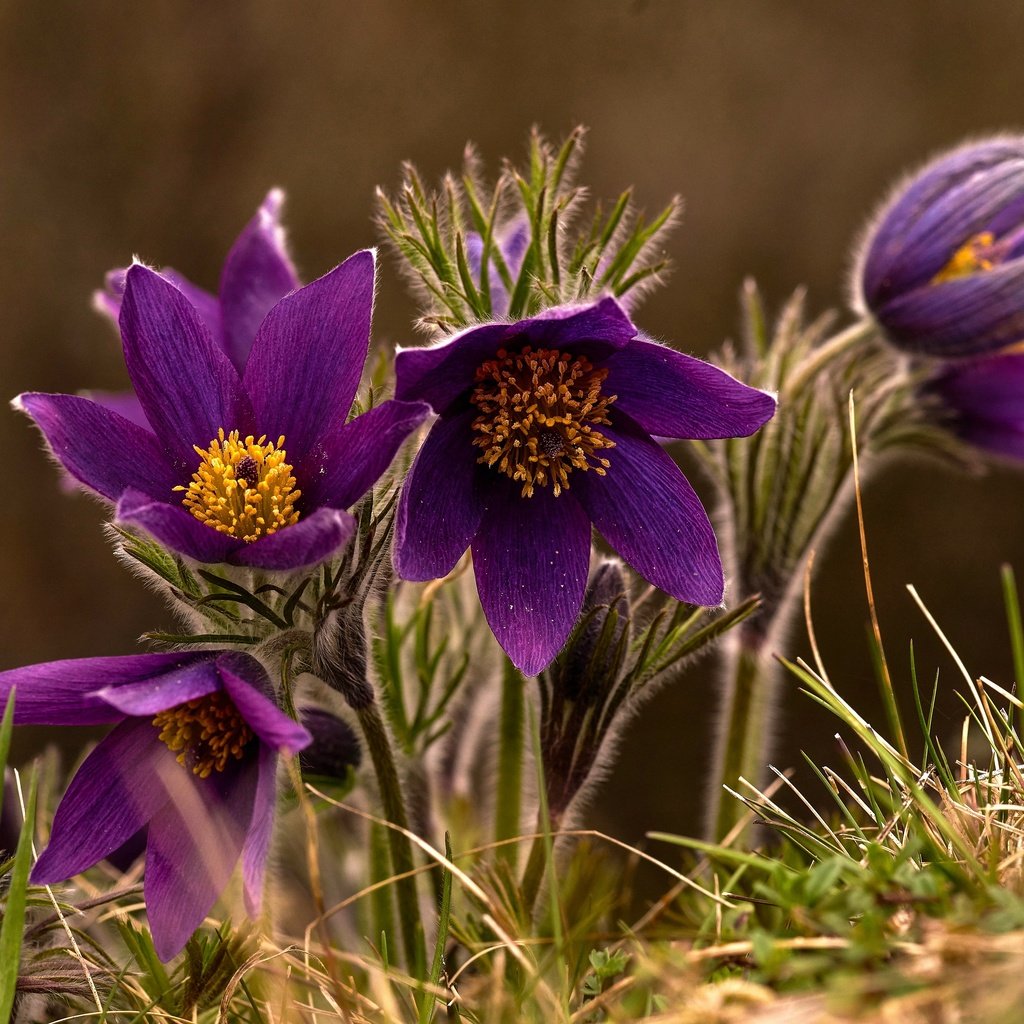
[(206, 733), (538, 416)]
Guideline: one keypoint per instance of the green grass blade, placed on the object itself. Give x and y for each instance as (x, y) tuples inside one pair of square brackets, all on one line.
[(6, 728), (14, 910), (428, 1004)]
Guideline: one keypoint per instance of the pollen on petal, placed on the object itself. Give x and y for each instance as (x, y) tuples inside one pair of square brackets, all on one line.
[(243, 487)]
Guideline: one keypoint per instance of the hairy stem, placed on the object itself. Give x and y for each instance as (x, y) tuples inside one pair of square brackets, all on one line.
[(379, 745), (745, 729), (510, 762)]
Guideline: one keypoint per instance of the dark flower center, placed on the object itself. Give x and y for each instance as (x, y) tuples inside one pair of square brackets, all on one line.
[(538, 416), (206, 733), (243, 487)]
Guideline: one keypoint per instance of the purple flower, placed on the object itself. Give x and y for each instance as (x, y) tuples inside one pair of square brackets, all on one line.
[(984, 399), (192, 758), (941, 270), (545, 426), (253, 466)]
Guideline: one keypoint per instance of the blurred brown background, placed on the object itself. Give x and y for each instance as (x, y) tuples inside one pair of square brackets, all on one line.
[(157, 128)]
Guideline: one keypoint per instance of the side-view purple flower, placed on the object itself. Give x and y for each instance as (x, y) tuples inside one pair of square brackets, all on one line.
[(545, 426), (192, 759), (942, 268), (246, 459)]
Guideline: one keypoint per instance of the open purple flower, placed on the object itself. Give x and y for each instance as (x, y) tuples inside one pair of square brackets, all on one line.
[(192, 759), (254, 467), (942, 269), (984, 400), (257, 273), (545, 426)]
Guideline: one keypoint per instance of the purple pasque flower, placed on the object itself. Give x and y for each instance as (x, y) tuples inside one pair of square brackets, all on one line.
[(941, 269), (253, 468), (544, 427), (984, 401), (192, 758)]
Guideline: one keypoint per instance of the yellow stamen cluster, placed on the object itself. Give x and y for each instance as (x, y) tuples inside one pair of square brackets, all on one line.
[(538, 413), (974, 255), (208, 731), (243, 487)]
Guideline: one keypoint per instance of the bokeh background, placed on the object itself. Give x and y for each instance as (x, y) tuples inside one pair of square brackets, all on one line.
[(157, 128)]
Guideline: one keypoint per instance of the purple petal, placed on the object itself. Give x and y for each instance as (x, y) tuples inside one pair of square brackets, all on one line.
[(531, 557), (247, 684), (111, 797), (347, 461), (102, 450), (948, 202), (67, 692), (311, 540), (441, 503), (441, 374), (257, 274), (649, 513), (970, 315), (986, 397), (185, 382), (124, 403), (190, 677), (108, 300), (175, 527), (194, 843), (308, 356), (675, 395), (257, 839)]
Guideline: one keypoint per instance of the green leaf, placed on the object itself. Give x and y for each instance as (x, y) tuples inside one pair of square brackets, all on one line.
[(14, 909)]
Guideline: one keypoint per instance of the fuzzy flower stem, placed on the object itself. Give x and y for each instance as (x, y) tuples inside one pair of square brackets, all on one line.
[(820, 357), (379, 746), (510, 761), (751, 684)]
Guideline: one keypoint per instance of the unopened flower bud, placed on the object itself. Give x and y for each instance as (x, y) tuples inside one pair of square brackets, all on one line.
[(941, 269), (335, 749)]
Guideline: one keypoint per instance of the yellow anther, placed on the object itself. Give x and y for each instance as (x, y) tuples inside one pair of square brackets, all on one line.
[(538, 416), (974, 255), (206, 733), (243, 487)]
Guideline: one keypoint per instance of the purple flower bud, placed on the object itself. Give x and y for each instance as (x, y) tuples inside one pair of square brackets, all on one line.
[(941, 268), (335, 748)]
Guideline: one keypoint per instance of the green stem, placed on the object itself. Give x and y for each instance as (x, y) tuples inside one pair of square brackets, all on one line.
[(510, 762), (540, 852), (745, 731), (379, 745), (821, 356)]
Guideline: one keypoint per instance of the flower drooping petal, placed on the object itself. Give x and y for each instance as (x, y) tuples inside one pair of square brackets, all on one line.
[(346, 462), (308, 356), (186, 384), (99, 448), (257, 274), (648, 512), (531, 559), (243, 681), (261, 828), (188, 679), (104, 806), (194, 842), (441, 503), (69, 692), (674, 395)]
